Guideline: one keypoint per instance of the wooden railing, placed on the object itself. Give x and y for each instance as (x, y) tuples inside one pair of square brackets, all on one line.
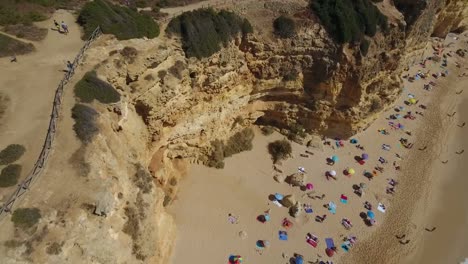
[(41, 162)]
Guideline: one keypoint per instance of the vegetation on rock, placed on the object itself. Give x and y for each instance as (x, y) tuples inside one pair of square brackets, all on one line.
[(364, 46), (121, 21), (279, 150), (9, 175), (26, 217), (284, 27), (85, 122), (240, 141), (11, 154), (349, 20), (204, 31), (90, 87)]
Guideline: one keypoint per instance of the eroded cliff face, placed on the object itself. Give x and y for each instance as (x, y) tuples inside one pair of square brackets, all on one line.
[(173, 107), (305, 83)]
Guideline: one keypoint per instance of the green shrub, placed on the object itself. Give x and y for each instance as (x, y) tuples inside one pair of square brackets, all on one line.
[(120, 21), (240, 141), (9, 175), (90, 87), (36, 16), (85, 122), (279, 150), (11, 154), (364, 47), (246, 27), (284, 27), (26, 217), (348, 20), (203, 31)]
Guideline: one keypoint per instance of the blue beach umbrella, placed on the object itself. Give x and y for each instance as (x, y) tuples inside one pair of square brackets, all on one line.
[(370, 214), (334, 158), (278, 196)]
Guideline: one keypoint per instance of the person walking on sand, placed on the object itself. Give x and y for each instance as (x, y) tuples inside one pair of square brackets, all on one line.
[(69, 66), (64, 27)]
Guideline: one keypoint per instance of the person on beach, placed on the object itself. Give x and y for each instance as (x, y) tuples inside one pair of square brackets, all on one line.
[(13, 59), (64, 27), (232, 219)]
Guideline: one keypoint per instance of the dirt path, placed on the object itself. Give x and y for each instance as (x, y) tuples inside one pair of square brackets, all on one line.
[(30, 85)]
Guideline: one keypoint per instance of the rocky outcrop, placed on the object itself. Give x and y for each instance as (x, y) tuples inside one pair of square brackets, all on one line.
[(173, 107)]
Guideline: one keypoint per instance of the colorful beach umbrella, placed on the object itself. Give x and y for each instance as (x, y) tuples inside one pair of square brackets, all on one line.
[(370, 214), (334, 158), (365, 156), (412, 101), (351, 171), (309, 186), (299, 259), (332, 173), (279, 197), (235, 259)]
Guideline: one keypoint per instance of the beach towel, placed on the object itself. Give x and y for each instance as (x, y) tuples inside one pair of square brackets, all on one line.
[(344, 199), (381, 208), (330, 243), (277, 203), (332, 207), (283, 235), (345, 247), (312, 242)]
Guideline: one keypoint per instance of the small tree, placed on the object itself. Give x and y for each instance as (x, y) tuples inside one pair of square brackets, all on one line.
[(279, 149), (284, 27), (26, 217), (11, 154), (9, 175)]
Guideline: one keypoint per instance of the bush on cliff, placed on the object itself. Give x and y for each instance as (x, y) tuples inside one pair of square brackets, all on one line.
[(123, 22), (11, 154), (240, 141), (9, 175), (203, 31), (90, 88), (349, 20), (284, 27), (279, 150), (85, 122), (26, 217)]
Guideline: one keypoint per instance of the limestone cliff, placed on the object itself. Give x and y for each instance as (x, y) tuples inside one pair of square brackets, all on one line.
[(173, 107)]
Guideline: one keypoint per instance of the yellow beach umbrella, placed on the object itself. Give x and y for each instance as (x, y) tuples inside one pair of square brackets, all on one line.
[(412, 101), (351, 171)]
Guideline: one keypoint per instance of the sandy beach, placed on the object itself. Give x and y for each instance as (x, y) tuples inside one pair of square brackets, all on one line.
[(420, 201)]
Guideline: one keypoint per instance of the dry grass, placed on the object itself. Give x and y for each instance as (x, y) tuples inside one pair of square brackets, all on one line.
[(78, 162), (29, 32), (10, 46), (54, 248), (143, 179)]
